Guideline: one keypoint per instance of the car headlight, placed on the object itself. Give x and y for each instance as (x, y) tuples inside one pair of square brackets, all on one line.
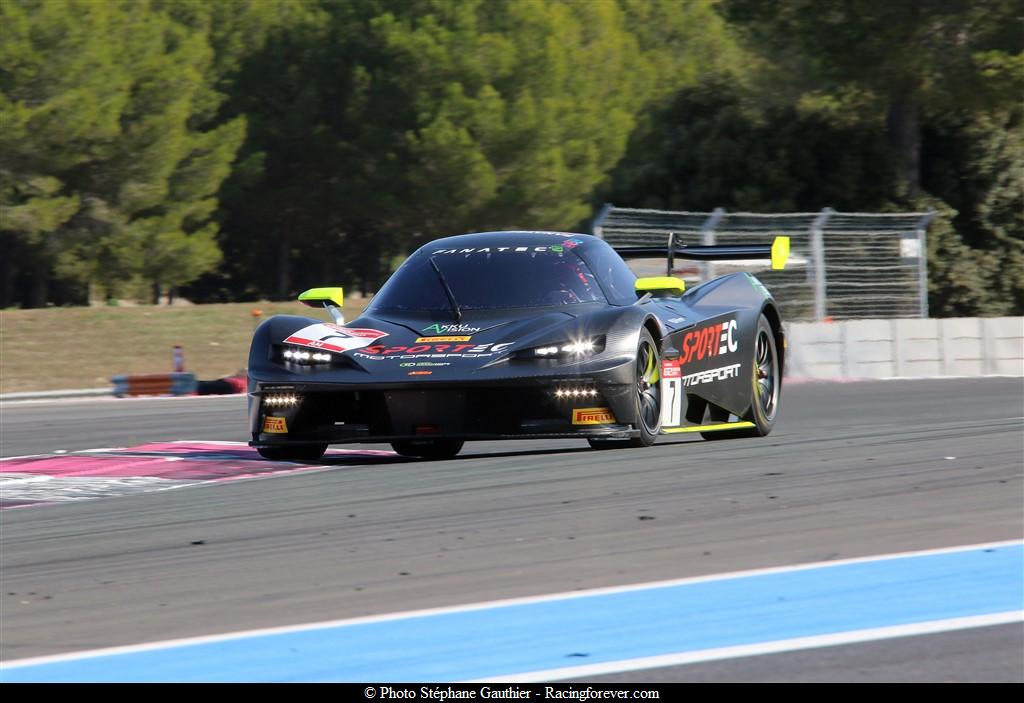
[(301, 355), (569, 349), (281, 400)]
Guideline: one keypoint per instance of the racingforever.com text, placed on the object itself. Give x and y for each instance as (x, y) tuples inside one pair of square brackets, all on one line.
[(552, 692)]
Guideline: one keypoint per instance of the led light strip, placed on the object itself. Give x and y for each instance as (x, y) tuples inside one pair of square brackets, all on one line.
[(280, 399), (578, 347), (575, 392), (301, 355)]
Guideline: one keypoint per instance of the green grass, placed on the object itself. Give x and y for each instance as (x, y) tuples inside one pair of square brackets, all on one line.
[(56, 348)]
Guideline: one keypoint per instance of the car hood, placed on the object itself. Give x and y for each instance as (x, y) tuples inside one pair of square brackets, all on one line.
[(385, 342)]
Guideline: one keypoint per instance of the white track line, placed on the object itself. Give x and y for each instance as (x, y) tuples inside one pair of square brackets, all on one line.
[(568, 595), (778, 646)]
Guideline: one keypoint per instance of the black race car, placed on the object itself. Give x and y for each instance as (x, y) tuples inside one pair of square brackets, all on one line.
[(523, 335)]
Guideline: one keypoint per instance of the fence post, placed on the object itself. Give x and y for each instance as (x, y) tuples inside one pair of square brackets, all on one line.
[(707, 234), (922, 260), (818, 254)]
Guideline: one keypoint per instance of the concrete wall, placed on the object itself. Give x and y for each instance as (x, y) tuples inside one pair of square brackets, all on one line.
[(906, 348)]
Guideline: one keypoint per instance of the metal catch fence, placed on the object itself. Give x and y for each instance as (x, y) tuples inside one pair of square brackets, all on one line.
[(843, 265)]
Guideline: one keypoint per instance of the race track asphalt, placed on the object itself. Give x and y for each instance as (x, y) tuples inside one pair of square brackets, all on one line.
[(852, 469)]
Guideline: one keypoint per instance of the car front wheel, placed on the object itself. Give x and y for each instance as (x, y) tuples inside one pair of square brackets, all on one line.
[(647, 393)]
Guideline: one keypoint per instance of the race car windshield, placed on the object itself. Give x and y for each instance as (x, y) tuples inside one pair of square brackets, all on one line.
[(490, 279)]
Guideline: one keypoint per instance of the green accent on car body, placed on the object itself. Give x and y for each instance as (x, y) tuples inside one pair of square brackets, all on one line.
[(660, 284), (653, 370), (315, 297), (758, 286)]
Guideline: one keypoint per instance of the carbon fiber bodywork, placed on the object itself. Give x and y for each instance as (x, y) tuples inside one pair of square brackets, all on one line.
[(406, 373)]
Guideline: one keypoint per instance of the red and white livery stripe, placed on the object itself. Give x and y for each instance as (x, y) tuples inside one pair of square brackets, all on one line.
[(335, 338)]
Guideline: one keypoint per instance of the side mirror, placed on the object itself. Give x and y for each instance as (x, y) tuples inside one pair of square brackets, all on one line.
[(660, 286), (331, 298)]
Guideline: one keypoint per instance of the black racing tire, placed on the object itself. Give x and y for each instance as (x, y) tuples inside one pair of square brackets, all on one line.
[(647, 377), (298, 452), (766, 388), (428, 448)]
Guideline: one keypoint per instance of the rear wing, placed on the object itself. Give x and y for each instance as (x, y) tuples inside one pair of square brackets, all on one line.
[(777, 252)]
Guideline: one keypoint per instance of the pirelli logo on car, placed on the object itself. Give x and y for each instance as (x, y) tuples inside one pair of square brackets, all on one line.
[(464, 338), (275, 425), (592, 416)]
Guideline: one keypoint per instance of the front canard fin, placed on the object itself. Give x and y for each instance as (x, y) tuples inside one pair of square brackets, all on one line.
[(780, 253)]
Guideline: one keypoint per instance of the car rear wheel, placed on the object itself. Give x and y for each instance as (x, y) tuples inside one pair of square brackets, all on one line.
[(647, 377), (428, 448), (766, 388), (299, 452)]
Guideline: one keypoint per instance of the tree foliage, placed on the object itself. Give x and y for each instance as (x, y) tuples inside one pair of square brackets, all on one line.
[(431, 117), (912, 57), (860, 105), (708, 148), (974, 166), (110, 158), (248, 148)]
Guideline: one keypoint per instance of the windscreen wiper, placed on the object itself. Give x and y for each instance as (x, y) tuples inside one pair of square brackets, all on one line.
[(447, 291)]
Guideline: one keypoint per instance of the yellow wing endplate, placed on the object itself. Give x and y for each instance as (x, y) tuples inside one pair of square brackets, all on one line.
[(316, 297), (660, 284), (780, 253)]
